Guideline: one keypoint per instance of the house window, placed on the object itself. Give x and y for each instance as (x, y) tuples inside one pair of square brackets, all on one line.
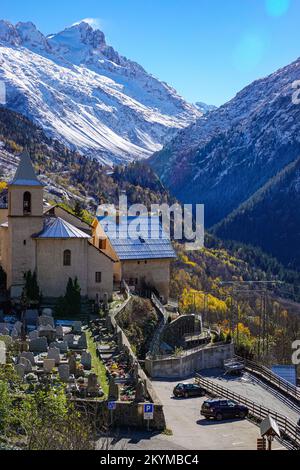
[(24, 242), (102, 244), (27, 203), (67, 258), (98, 277)]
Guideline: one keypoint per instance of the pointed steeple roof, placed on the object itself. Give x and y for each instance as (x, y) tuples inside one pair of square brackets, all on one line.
[(25, 174)]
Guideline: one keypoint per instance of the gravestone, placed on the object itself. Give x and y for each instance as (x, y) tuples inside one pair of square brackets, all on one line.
[(38, 345), (82, 344), (26, 363), (72, 365), (61, 345), (30, 356), (92, 386), (20, 370), (4, 329), (69, 339), (33, 334), (48, 365), (64, 372), (15, 334), (113, 394), (44, 320), (86, 360), (59, 332), (18, 326), (31, 317), (47, 312), (7, 340), (48, 332), (54, 353), (77, 326)]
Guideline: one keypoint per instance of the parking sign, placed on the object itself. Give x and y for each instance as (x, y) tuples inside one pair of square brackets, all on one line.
[(148, 411), (111, 405)]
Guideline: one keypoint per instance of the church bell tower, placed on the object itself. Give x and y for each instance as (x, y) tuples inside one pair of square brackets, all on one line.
[(25, 218)]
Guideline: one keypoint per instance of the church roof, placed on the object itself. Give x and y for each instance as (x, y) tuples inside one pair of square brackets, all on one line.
[(25, 174), (55, 227), (148, 241)]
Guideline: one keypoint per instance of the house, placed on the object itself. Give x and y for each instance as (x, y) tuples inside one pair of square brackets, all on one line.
[(143, 250), (57, 245), (54, 243)]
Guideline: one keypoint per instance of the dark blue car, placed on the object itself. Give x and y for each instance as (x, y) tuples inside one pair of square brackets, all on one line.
[(220, 409)]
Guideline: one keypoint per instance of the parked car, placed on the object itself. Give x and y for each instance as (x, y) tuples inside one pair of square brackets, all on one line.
[(220, 409), (186, 390)]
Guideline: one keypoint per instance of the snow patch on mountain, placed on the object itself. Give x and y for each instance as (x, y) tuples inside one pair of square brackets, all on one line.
[(82, 92)]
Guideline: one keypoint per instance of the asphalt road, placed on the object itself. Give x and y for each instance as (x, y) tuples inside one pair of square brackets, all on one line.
[(249, 388), (191, 431)]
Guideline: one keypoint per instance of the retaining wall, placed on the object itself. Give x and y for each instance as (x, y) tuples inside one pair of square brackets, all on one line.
[(191, 362)]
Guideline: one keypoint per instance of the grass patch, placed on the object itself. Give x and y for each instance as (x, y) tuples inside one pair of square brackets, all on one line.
[(167, 432), (97, 366)]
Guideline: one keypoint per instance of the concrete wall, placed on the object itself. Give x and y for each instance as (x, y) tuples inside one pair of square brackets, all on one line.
[(187, 365), (21, 250), (86, 260), (3, 215), (154, 272), (52, 274), (98, 262)]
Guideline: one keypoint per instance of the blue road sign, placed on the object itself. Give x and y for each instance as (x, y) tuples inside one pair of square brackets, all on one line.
[(111, 405), (148, 408)]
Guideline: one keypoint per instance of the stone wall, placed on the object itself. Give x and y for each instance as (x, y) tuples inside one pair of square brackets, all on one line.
[(131, 414), (174, 332), (191, 362)]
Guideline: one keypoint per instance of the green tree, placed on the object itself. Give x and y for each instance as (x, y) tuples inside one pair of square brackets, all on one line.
[(70, 304), (31, 289)]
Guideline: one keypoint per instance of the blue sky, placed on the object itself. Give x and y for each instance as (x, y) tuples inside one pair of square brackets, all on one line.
[(207, 49)]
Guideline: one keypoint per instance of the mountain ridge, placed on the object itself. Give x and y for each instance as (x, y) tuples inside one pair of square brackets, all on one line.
[(81, 91)]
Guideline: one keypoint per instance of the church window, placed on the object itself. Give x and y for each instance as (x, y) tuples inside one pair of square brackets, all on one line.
[(27, 203), (67, 258)]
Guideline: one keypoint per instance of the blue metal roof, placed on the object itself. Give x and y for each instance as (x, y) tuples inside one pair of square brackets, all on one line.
[(55, 227), (139, 237), (286, 372)]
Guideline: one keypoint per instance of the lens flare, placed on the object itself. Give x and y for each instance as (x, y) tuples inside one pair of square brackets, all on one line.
[(277, 7), (249, 52)]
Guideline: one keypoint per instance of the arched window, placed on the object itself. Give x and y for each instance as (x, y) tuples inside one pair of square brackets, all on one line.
[(67, 258), (27, 203)]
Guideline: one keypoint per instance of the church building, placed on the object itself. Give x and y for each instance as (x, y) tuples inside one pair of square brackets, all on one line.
[(57, 245)]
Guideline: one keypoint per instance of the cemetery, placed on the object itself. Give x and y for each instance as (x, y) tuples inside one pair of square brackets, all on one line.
[(44, 350), (90, 360)]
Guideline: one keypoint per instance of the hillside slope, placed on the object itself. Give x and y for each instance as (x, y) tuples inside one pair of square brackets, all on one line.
[(270, 218), (69, 175)]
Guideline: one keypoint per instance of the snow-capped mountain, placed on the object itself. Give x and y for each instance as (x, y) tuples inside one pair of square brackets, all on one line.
[(223, 158), (205, 108), (82, 92)]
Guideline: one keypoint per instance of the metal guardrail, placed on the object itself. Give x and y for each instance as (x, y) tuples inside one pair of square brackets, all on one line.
[(290, 431), (273, 379)]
